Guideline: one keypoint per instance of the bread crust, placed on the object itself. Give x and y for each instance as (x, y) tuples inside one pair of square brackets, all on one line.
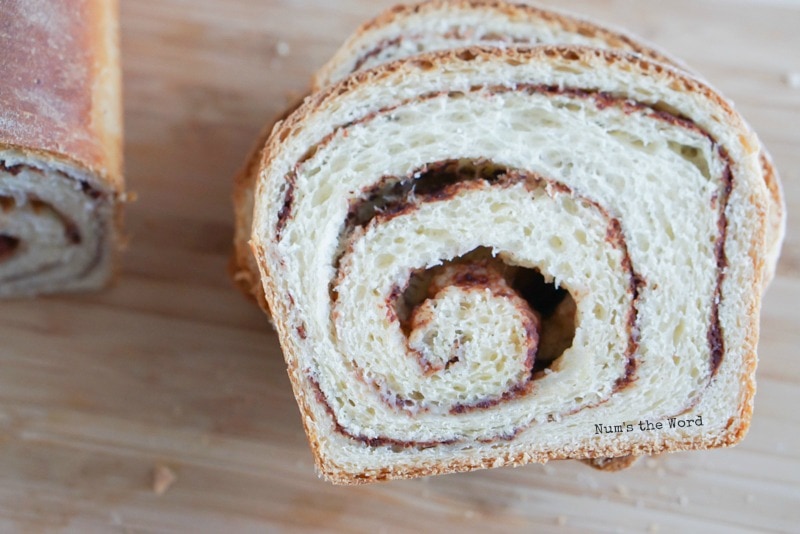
[(592, 58), (242, 265), (318, 101), (63, 101)]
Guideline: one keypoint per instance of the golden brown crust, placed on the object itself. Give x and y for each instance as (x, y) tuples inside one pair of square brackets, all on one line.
[(60, 96), (679, 80), (241, 266)]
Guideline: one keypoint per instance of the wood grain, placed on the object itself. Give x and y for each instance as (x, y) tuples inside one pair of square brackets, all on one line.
[(173, 367)]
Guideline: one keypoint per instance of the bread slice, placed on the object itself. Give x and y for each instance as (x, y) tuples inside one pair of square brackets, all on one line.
[(400, 215), (60, 146)]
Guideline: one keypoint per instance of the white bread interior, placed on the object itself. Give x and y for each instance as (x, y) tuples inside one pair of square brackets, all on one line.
[(62, 227), (661, 182)]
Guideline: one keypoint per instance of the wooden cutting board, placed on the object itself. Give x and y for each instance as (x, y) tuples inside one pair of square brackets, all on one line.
[(173, 368)]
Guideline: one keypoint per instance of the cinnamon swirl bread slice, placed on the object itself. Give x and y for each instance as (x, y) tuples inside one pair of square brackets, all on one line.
[(492, 257), (60, 145)]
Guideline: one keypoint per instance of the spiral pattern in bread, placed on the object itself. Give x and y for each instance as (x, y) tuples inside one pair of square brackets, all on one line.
[(474, 258)]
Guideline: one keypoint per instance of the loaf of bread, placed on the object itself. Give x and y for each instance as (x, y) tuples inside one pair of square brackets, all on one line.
[(60, 145), (495, 256), (435, 25)]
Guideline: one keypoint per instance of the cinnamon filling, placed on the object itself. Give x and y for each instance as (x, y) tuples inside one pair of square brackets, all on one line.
[(553, 306), (72, 232), (552, 310), (8, 245)]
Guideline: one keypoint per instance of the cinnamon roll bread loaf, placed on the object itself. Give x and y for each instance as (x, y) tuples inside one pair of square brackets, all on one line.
[(491, 257), (60, 145)]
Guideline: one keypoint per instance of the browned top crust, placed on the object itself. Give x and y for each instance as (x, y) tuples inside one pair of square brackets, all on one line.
[(60, 86)]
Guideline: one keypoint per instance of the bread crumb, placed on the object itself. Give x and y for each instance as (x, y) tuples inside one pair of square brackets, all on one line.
[(793, 80), (163, 478), (561, 520), (282, 48), (116, 519)]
